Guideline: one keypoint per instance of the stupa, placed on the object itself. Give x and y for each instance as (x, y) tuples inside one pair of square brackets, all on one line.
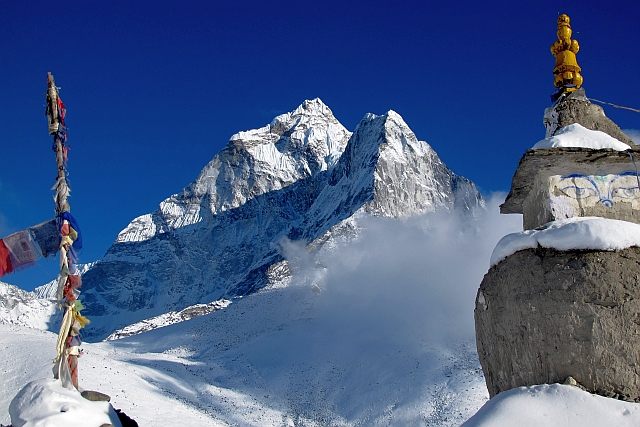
[(545, 314)]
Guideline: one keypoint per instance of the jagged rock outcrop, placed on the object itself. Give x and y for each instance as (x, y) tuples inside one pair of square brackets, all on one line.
[(304, 177), (575, 107), (544, 315)]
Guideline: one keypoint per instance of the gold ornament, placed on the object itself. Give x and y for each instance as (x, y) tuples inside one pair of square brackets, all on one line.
[(567, 71)]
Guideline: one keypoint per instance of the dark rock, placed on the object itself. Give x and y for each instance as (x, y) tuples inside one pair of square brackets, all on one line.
[(543, 315), (575, 107), (125, 419)]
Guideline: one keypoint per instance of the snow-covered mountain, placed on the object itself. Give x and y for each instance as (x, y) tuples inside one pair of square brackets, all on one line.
[(376, 331), (24, 308), (49, 289), (303, 177)]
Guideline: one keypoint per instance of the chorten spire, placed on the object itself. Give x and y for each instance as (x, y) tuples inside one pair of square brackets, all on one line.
[(567, 71)]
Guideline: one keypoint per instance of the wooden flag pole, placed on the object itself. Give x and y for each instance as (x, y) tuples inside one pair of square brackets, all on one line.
[(66, 362), (54, 124)]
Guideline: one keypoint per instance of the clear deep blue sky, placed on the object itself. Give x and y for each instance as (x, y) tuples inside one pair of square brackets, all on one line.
[(155, 89)]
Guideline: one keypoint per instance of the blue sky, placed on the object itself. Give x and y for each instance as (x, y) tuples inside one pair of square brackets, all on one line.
[(155, 89)]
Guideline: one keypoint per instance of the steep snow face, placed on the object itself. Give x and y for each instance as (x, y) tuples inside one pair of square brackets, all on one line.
[(293, 146), (301, 177), (386, 171)]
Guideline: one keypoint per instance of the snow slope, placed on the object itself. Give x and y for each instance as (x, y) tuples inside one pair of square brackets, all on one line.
[(27, 356), (158, 389), (377, 331)]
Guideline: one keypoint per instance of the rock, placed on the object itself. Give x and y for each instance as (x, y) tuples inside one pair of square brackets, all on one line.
[(572, 382), (95, 396), (576, 108), (544, 315), (125, 419)]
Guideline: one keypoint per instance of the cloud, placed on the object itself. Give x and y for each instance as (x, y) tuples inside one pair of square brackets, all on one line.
[(634, 134), (405, 280)]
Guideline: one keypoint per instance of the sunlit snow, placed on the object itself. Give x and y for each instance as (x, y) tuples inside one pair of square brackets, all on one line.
[(376, 332), (554, 405), (47, 403), (572, 233), (576, 135)]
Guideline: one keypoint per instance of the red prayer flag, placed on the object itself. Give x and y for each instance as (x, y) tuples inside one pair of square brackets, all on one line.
[(5, 259)]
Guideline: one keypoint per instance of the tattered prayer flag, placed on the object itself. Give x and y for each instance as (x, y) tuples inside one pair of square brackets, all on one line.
[(5, 260), (23, 250), (77, 244), (20, 250), (47, 236), (74, 281)]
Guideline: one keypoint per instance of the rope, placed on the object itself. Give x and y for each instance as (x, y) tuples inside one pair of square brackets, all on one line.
[(614, 105), (633, 160)]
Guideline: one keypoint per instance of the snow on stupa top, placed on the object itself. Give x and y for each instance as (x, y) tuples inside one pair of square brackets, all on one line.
[(576, 135)]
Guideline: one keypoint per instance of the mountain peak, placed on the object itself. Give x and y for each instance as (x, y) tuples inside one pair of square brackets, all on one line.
[(303, 176), (295, 145), (310, 112), (313, 107)]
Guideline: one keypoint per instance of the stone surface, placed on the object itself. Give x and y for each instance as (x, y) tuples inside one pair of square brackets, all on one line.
[(576, 108), (95, 396), (544, 315)]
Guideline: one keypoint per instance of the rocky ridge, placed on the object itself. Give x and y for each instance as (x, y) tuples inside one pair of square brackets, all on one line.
[(167, 319)]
